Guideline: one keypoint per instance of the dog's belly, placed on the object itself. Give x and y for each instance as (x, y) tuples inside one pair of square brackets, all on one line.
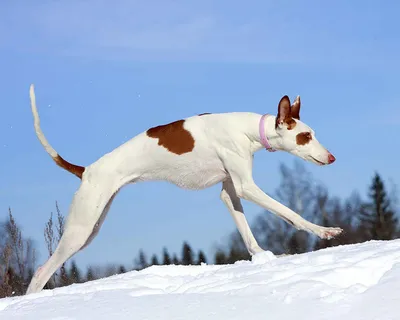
[(188, 178), (198, 180)]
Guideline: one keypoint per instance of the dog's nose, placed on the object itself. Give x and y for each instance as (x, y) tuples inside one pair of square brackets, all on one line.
[(331, 158)]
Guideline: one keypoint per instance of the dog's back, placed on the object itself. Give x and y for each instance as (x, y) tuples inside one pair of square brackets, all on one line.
[(184, 152)]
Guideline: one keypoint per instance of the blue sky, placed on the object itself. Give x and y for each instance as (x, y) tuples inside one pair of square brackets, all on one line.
[(105, 72)]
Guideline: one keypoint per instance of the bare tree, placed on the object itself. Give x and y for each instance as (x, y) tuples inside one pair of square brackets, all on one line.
[(52, 239), (297, 191), (17, 258), (5, 257)]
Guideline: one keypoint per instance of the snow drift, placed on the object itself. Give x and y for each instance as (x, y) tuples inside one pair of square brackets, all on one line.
[(360, 282)]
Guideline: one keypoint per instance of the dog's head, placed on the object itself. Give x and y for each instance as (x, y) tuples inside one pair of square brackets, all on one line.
[(298, 138)]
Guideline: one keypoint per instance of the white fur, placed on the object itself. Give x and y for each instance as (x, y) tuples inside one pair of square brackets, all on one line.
[(223, 152), (39, 133)]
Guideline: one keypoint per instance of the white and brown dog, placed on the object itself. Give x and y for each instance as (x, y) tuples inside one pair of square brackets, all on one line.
[(194, 153)]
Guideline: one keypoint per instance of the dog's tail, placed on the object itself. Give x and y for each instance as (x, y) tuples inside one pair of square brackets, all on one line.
[(74, 169)]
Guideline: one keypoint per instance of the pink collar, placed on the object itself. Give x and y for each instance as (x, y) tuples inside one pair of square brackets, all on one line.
[(264, 140)]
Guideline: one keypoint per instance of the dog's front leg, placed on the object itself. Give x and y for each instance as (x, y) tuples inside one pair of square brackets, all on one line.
[(232, 202), (240, 170)]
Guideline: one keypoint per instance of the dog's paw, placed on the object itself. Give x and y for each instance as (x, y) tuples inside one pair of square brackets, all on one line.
[(329, 233), (263, 257)]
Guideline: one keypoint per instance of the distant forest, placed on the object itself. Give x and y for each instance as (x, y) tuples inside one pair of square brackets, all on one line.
[(372, 217)]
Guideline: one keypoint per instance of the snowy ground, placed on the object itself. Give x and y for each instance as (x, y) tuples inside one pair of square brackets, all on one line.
[(360, 282)]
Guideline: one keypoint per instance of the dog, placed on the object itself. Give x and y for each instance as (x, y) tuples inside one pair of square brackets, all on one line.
[(194, 153)]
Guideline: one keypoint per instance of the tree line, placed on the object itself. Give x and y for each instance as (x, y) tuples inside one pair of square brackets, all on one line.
[(374, 217)]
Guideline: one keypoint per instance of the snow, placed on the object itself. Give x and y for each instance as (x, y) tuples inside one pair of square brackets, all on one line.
[(360, 281)]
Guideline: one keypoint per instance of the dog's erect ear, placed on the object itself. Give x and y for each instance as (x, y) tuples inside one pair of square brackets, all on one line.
[(284, 112), (295, 112)]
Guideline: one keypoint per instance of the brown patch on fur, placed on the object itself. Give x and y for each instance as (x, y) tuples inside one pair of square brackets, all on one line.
[(173, 136), (303, 138), (74, 169), (204, 114), (289, 122)]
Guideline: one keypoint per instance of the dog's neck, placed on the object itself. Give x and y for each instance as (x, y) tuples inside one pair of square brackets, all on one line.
[(270, 133)]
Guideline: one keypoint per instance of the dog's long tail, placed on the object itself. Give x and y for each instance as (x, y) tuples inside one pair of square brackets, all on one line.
[(74, 169)]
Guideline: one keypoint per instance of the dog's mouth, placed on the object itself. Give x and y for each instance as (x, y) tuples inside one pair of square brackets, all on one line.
[(317, 161)]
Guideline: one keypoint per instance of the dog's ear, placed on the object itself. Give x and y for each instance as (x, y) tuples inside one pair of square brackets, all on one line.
[(284, 112), (295, 111)]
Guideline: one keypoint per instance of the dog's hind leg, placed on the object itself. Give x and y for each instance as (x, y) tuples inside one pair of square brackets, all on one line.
[(98, 224), (86, 209)]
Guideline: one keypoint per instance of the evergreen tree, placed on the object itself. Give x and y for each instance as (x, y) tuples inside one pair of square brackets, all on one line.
[(74, 273), (187, 254), (237, 255), (175, 260), (154, 260), (64, 278), (220, 257), (90, 274), (377, 216), (121, 269), (141, 262), (201, 258), (166, 257)]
